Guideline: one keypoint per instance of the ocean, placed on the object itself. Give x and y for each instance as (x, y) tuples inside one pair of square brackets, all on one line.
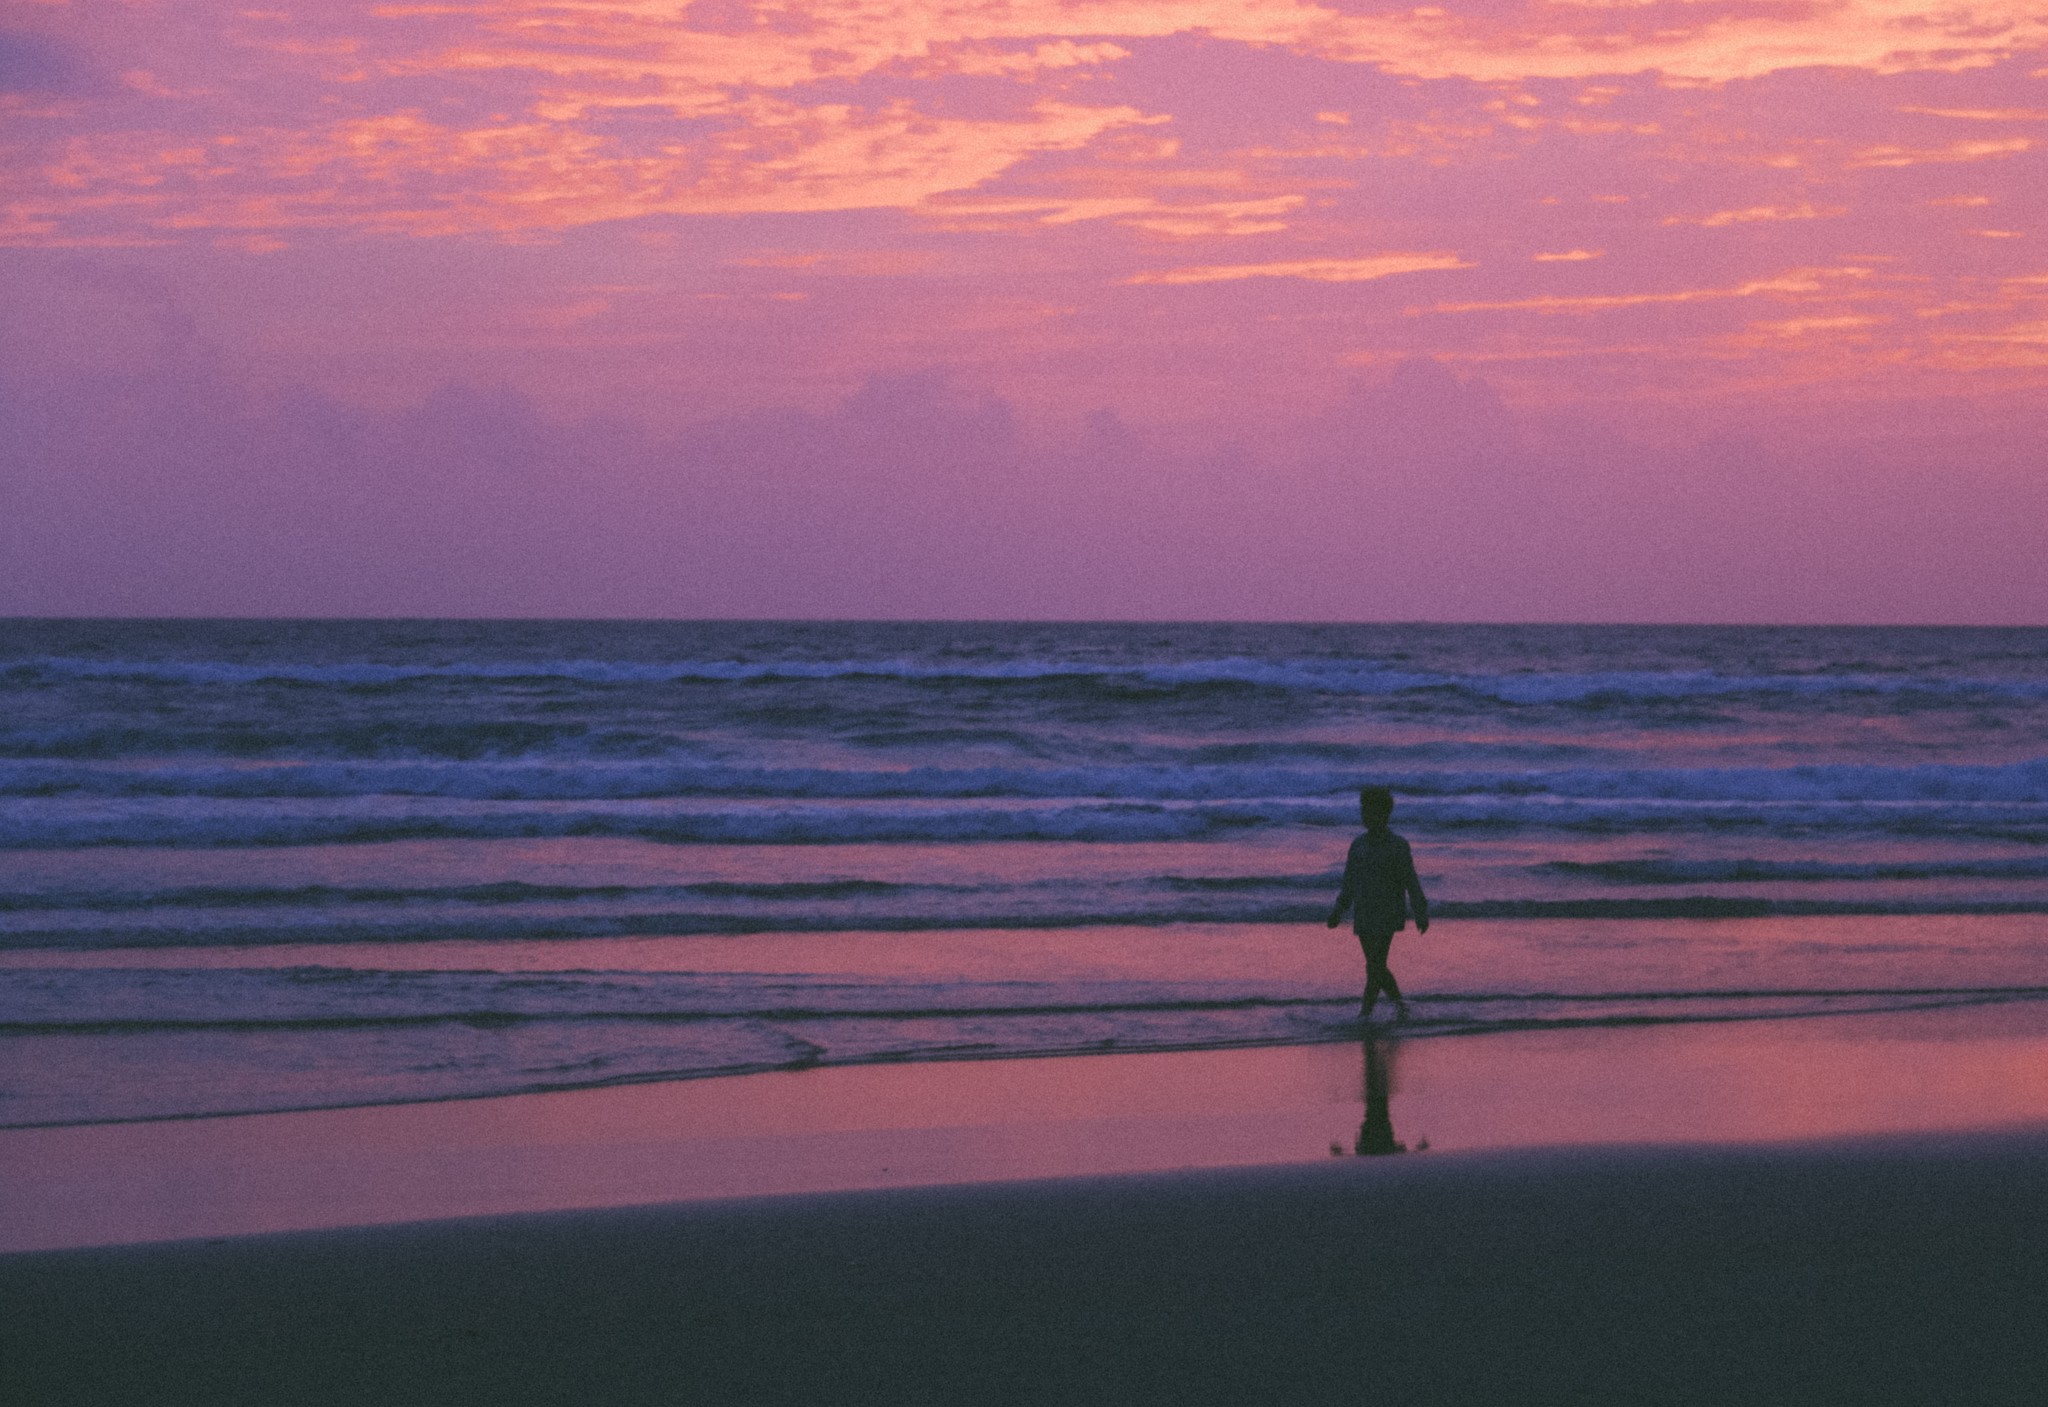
[(253, 866)]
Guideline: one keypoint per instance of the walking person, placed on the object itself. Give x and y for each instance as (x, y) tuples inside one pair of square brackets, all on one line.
[(1382, 892)]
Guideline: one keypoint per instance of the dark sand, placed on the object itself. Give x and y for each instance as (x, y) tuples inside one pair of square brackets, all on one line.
[(1892, 1271)]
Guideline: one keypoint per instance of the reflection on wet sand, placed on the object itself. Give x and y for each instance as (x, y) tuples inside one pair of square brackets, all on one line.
[(1376, 1133)]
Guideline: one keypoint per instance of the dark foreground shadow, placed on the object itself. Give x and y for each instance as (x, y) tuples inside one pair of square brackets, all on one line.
[(1896, 1273)]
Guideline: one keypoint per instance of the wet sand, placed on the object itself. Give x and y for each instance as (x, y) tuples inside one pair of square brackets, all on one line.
[(1618, 1216), (848, 1129)]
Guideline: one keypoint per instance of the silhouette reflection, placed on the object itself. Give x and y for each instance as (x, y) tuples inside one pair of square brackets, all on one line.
[(1376, 1134)]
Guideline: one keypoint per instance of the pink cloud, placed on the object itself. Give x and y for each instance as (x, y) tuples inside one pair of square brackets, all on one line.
[(715, 223), (1358, 270)]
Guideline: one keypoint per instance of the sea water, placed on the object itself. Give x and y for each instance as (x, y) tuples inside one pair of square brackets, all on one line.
[(265, 865)]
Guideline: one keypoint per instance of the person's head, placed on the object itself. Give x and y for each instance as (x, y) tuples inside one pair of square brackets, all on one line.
[(1375, 807)]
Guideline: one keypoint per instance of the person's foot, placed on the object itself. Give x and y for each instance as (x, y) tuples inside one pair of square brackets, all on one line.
[(1400, 1011)]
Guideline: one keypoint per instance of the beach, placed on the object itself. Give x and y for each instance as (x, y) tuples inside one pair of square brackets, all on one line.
[(1242, 702), (1810, 1211), (1942, 1071), (1880, 1269)]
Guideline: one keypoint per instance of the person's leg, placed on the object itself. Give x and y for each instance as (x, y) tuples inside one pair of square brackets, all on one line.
[(1393, 989), (1378, 976), (1371, 993)]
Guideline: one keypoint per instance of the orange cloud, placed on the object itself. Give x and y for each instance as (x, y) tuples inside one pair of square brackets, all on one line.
[(1984, 114), (1710, 42), (403, 172), (1806, 282), (1020, 63), (1800, 327), (2022, 345), (593, 52), (1953, 152), (1146, 212), (559, 113), (1755, 213), (1320, 270)]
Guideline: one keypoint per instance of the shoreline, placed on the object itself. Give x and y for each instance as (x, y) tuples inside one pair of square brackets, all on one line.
[(863, 1128), (796, 1002)]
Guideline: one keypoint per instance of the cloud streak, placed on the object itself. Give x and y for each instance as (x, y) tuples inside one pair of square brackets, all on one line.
[(1600, 303), (1373, 266)]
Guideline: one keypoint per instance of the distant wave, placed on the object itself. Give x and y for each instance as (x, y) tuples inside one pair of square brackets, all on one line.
[(499, 893), (1735, 906), (256, 925), (321, 736), (63, 821), (2016, 782), (1337, 676), (318, 739), (1158, 898), (1758, 871), (46, 823)]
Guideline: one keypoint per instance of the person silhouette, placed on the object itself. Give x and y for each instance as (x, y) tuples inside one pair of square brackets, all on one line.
[(1381, 890)]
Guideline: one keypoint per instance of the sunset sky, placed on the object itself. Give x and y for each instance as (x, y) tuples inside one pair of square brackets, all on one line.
[(1502, 309)]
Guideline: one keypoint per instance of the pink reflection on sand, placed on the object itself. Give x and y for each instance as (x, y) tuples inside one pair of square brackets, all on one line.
[(878, 1127)]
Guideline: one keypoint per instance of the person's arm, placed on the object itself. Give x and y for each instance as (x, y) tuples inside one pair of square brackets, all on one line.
[(1418, 902), (1348, 891)]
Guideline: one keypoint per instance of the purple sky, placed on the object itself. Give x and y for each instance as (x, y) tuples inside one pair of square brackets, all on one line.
[(1510, 309)]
